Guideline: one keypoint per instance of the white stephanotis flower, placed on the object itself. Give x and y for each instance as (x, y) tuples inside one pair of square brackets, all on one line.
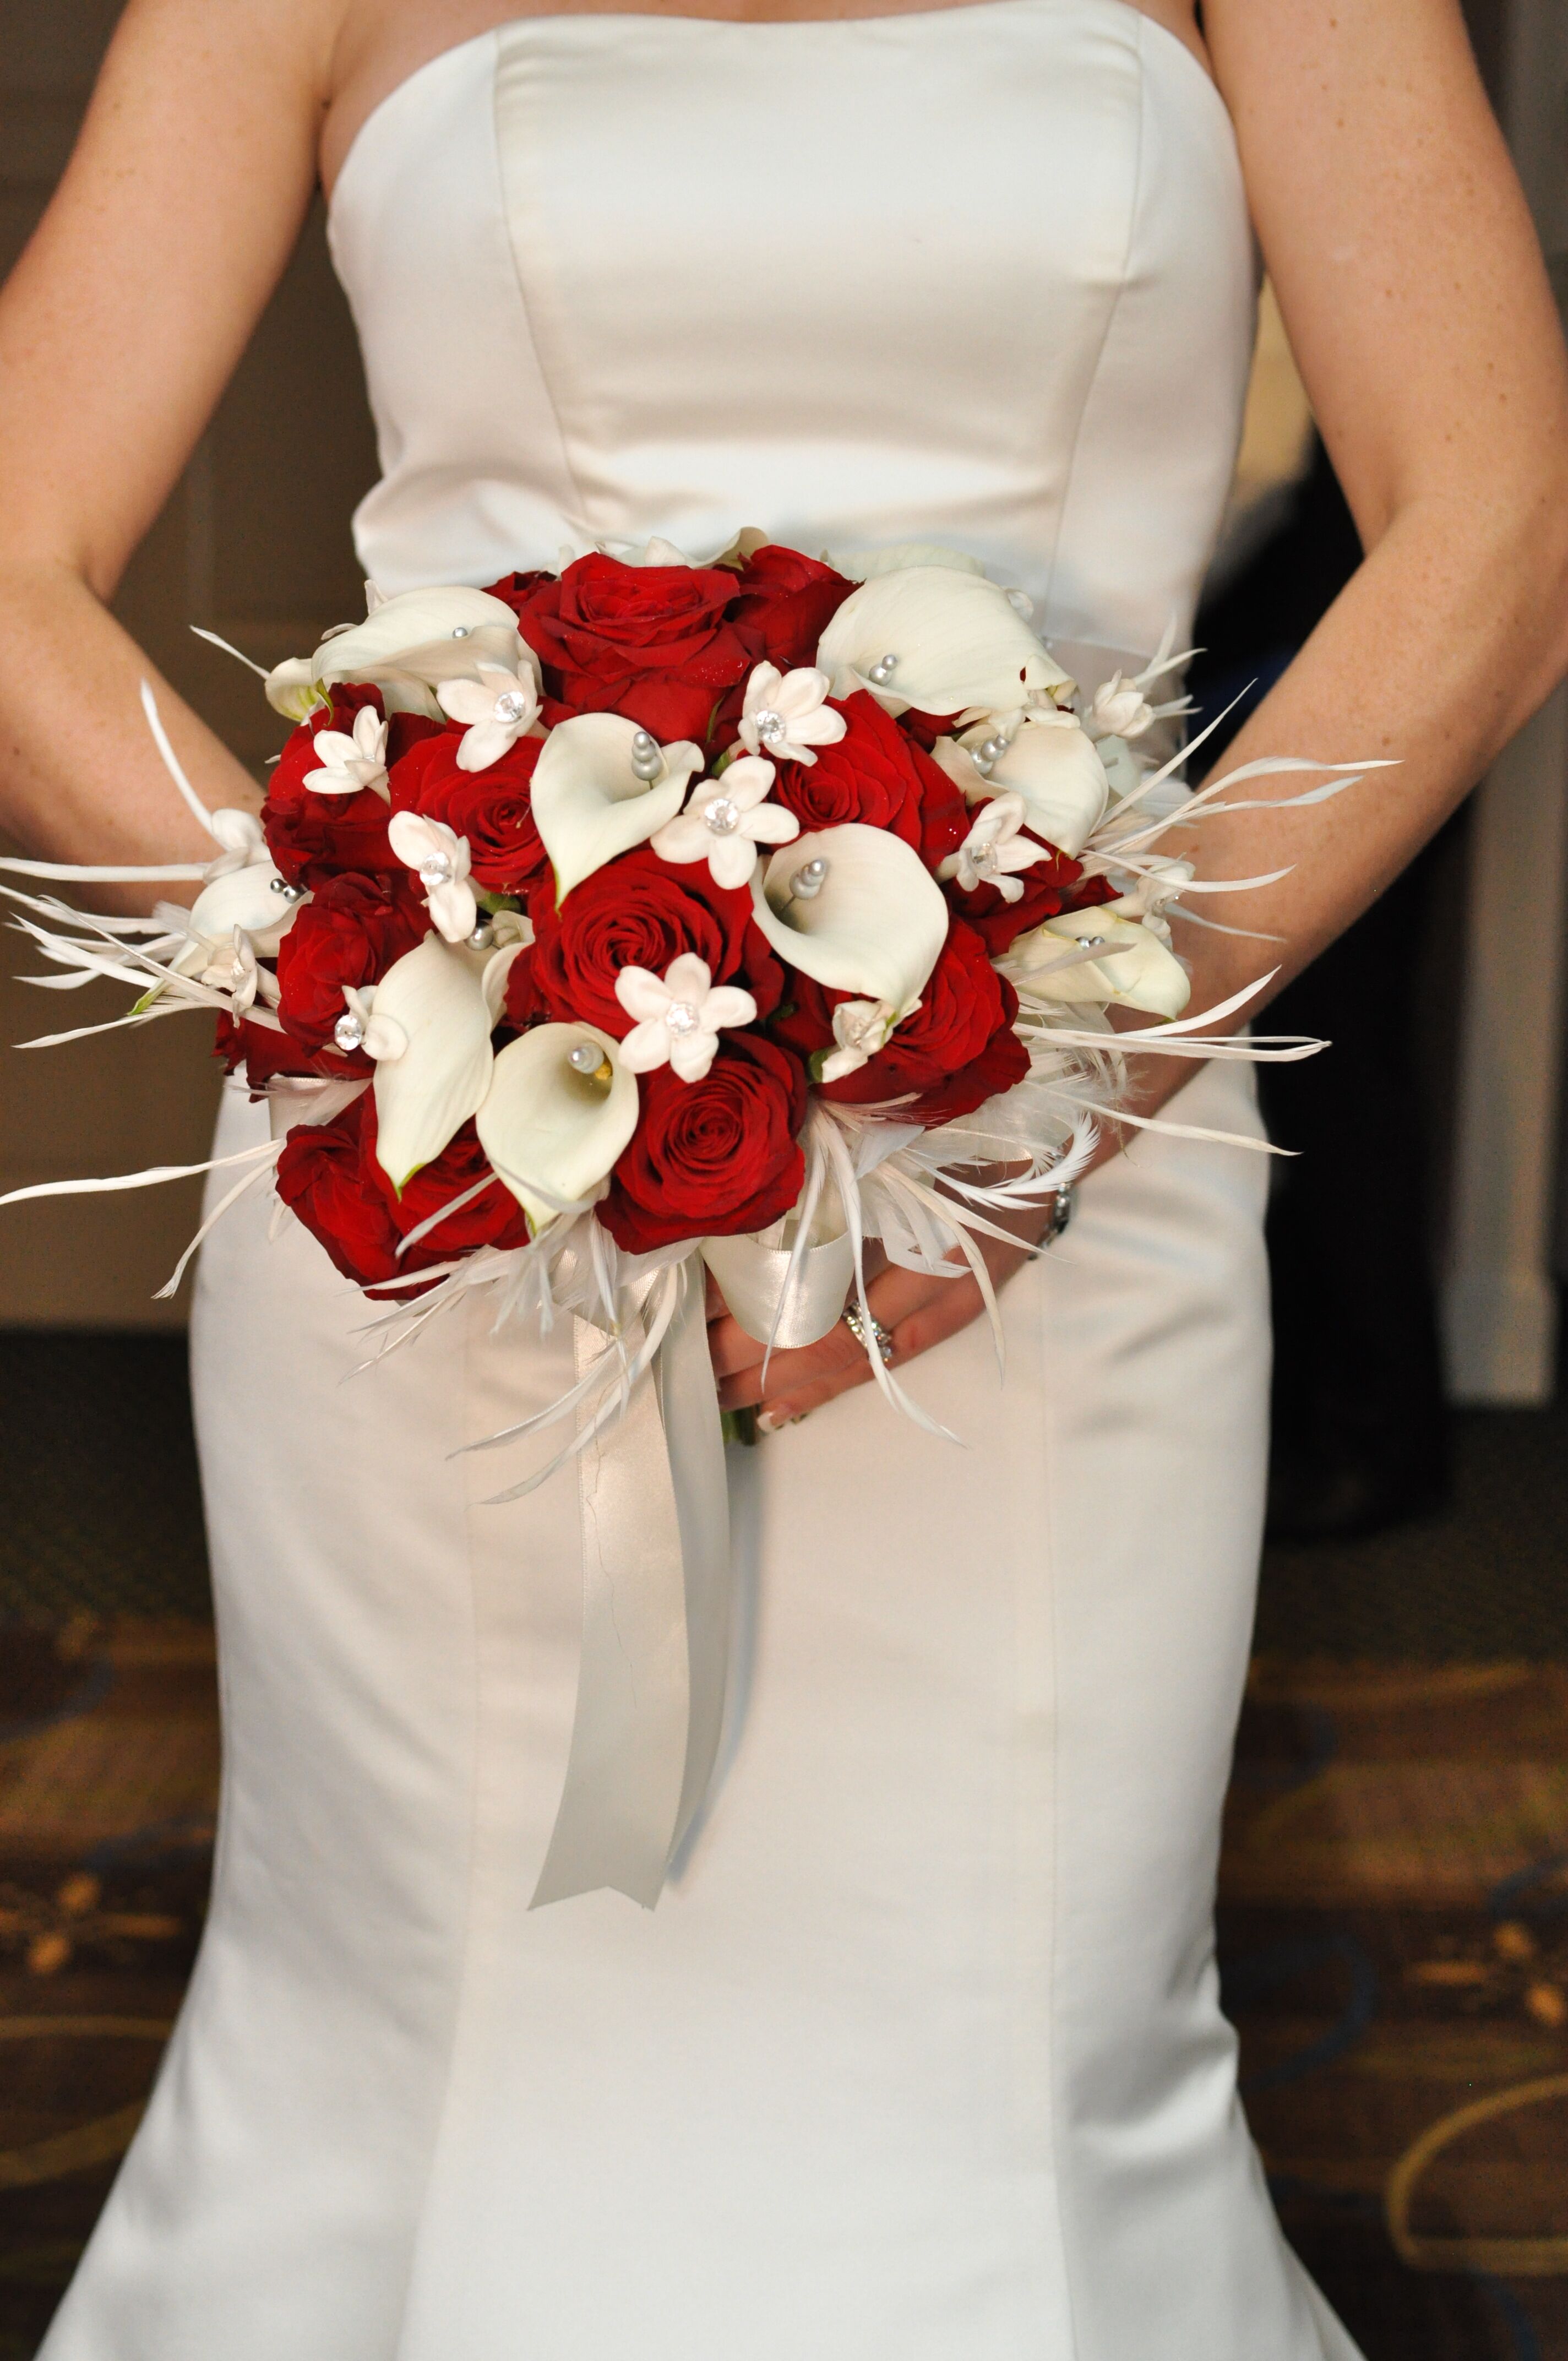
[(860, 1028), (786, 714), (500, 707), (679, 1019), (440, 859), (359, 1027), (1118, 711), (347, 765), (994, 851), (724, 821), (233, 968)]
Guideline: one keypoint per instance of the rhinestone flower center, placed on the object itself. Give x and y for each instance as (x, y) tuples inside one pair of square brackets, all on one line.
[(681, 1017), (436, 870), (348, 1033), (722, 816), (510, 706)]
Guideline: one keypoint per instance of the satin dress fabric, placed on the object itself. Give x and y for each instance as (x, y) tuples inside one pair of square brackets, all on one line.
[(920, 2056)]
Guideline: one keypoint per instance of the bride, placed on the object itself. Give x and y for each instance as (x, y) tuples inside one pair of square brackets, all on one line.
[(920, 2053)]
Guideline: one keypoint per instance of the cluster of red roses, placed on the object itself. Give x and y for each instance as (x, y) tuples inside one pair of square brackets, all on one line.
[(670, 648)]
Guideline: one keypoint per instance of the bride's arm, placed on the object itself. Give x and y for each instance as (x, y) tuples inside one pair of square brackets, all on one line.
[(118, 330), (1418, 310)]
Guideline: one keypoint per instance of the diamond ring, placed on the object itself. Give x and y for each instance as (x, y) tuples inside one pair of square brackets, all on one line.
[(857, 1328)]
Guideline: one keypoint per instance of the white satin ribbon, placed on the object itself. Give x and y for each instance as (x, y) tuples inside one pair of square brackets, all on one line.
[(654, 1518)]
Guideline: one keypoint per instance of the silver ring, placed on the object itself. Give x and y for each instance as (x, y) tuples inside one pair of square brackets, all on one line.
[(1063, 1205), (857, 1328)]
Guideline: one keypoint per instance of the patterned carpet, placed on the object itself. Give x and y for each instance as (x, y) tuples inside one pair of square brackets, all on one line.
[(1394, 1923)]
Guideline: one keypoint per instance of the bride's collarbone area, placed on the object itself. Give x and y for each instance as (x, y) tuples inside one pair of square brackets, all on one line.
[(380, 43)]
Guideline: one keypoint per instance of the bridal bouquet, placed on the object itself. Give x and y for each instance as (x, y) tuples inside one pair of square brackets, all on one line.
[(606, 924)]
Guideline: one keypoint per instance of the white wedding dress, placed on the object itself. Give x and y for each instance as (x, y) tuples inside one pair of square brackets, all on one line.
[(919, 2058)]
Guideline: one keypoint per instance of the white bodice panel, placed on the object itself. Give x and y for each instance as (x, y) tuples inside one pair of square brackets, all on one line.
[(980, 275)]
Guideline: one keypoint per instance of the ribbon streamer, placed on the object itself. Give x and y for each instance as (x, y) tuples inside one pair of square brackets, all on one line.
[(654, 1518)]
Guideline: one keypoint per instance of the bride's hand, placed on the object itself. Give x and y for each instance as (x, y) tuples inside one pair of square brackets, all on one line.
[(917, 1312)]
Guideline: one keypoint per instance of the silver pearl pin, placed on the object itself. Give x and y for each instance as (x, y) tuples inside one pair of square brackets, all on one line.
[(460, 630), (290, 892), (646, 762), (881, 672), (809, 882)]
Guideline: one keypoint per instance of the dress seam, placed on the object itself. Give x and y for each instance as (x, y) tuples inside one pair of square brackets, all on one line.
[(530, 326), (465, 1946), (1113, 310)]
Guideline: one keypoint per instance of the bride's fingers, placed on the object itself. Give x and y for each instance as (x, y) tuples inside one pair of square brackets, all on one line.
[(730, 1349), (837, 1359)]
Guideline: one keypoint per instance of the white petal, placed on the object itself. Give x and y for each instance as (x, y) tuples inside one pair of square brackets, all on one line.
[(426, 636), (726, 1007), (487, 742), (745, 782), (684, 839), (464, 700), (549, 1132), (436, 996), (877, 925), (641, 994), (239, 831), (688, 977), (589, 805), (770, 824), (453, 909), (691, 1055), (730, 860), (646, 1047), (762, 689)]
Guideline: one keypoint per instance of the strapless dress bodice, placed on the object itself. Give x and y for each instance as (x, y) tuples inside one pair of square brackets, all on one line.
[(980, 276)]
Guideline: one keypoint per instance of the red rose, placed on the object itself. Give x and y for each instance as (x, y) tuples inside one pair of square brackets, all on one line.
[(313, 837), (1052, 885), (323, 1174), (350, 931), (492, 1218), (264, 1051), (878, 775), (490, 808), (783, 603), (1001, 1066), (713, 1157), (650, 641), (956, 1050), (638, 911)]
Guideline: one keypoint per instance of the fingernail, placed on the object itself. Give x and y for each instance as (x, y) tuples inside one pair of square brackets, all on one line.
[(768, 1422)]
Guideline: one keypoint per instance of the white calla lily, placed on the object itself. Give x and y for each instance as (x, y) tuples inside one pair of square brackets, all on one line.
[(1054, 765), (560, 1108), (941, 640), (256, 898), (407, 646), (435, 995), (856, 909), (1135, 968), (589, 799)]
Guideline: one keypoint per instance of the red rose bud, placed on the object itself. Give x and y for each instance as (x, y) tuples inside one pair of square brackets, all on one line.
[(649, 642), (877, 775), (349, 932), (715, 1157), (946, 1054), (1052, 885), (313, 836), (638, 911), (490, 808), (784, 602)]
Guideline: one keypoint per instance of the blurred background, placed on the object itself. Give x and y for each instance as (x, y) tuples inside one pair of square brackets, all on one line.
[(1395, 1883)]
